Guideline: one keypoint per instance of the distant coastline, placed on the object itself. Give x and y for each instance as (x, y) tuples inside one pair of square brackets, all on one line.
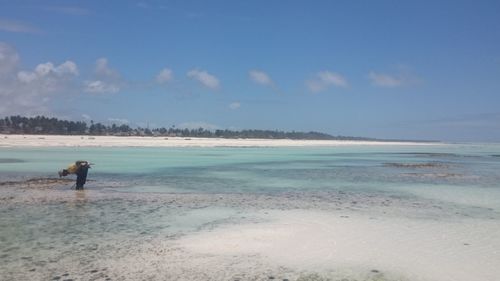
[(41, 125), (13, 140)]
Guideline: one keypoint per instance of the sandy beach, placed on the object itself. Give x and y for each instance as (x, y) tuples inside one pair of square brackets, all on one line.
[(130, 141)]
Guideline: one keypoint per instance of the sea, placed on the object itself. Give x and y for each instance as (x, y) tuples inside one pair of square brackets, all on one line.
[(139, 196)]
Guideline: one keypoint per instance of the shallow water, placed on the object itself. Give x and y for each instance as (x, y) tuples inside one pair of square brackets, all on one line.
[(472, 169), (128, 201)]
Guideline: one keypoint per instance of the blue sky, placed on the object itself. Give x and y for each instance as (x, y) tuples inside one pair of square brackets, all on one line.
[(385, 69)]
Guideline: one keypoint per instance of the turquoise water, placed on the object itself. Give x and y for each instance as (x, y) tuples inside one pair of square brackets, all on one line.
[(123, 204), (471, 169)]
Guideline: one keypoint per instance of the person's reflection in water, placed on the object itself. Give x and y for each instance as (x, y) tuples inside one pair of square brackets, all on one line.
[(81, 199), (81, 196)]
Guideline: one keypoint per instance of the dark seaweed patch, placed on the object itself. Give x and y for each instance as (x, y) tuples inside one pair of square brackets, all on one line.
[(435, 175), (416, 154), (37, 182), (417, 165), (10, 160), (430, 154)]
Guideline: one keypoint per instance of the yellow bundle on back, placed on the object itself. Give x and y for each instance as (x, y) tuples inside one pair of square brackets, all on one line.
[(72, 168)]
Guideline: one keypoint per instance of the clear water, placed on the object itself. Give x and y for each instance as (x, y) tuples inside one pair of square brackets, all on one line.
[(48, 238), (472, 169)]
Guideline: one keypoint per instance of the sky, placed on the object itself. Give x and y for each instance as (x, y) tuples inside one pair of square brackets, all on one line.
[(385, 69)]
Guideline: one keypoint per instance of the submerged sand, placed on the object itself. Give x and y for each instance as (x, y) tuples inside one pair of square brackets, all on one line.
[(130, 141), (331, 235), (320, 241)]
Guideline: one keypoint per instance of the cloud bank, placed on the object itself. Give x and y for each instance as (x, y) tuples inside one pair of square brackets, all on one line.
[(29, 91)]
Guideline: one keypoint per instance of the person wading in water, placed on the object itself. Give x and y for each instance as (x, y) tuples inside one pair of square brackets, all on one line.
[(80, 169)]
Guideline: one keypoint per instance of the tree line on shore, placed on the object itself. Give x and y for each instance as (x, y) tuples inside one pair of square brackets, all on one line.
[(54, 126)]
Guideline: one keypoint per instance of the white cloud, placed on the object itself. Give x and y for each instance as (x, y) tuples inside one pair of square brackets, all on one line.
[(107, 80), (165, 75), (100, 87), (102, 69), (385, 80), (49, 76), (27, 76), (234, 105), (86, 117), (197, 125), (30, 91), (260, 77), (46, 69), (16, 26), (67, 67), (402, 76), (206, 79), (324, 79), (331, 78)]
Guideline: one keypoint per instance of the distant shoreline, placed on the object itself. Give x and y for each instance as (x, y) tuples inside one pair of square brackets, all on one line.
[(7, 140)]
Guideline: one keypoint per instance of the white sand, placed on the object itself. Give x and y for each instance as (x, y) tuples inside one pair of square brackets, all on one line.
[(397, 247), (114, 141)]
